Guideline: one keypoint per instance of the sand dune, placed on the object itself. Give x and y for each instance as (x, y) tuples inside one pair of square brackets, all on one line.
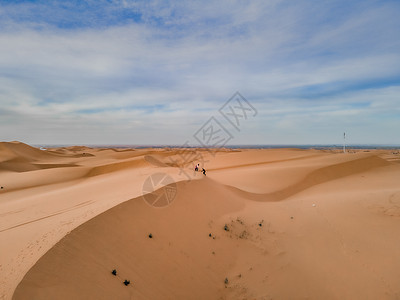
[(263, 224), (21, 150), (180, 242), (319, 176), (118, 166)]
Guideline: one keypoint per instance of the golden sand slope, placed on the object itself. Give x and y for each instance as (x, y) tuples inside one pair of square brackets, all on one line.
[(38, 206), (299, 224)]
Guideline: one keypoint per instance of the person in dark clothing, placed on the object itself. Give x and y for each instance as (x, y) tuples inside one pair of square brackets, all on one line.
[(204, 171)]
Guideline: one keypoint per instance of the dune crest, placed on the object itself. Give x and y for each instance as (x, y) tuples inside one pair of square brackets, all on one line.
[(320, 176)]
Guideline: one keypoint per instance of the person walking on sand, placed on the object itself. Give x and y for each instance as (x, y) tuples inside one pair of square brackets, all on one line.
[(204, 171), (197, 167)]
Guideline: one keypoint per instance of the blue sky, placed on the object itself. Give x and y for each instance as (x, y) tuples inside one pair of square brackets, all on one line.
[(153, 72)]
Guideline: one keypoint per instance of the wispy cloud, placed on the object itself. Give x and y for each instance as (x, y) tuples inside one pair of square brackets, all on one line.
[(154, 71)]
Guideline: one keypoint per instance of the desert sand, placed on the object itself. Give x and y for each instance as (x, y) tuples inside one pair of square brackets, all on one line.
[(262, 224)]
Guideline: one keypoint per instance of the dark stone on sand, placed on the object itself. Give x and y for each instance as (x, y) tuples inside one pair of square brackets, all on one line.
[(226, 228), (209, 235), (226, 280), (150, 236)]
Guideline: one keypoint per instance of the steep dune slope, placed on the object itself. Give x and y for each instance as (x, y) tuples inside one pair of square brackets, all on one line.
[(297, 178), (180, 261)]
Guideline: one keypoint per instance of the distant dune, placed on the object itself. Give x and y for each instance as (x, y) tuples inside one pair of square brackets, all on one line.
[(263, 224)]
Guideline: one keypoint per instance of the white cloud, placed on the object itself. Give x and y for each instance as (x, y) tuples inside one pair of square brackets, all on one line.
[(160, 78)]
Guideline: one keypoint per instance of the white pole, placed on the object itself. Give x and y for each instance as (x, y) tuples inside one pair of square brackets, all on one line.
[(344, 142)]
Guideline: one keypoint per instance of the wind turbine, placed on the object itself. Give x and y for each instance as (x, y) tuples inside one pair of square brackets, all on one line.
[(344, 142)]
